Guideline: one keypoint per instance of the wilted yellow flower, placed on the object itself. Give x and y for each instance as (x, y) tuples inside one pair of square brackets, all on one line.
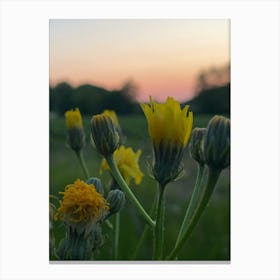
[(170, 129), (81, 203), (73, 119), (168, 122), (127, 162)]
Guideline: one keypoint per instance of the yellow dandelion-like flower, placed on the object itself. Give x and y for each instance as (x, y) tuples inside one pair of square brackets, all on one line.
[(127, 162), (76, 135), (81, 203), (73, 119), (168, 122), (170, 128)]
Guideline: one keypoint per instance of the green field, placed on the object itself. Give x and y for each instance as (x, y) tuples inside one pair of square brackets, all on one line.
[(210, 239)]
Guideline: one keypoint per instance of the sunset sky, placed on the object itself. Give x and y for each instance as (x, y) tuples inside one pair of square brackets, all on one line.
[(162, 57)]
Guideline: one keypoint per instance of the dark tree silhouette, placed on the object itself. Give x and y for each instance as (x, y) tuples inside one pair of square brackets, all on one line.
[(212, 91), (91, 99), (213, 78)]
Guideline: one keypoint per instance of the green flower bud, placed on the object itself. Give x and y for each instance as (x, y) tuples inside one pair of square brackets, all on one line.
[(116, 199), (104, 134), (217, 143), (113, 115), (196, 144), (97, 183)]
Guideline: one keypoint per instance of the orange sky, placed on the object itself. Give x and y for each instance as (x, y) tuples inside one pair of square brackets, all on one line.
[(163, 57)]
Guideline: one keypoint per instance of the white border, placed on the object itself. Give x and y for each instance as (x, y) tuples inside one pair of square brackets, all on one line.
[(255, 138)]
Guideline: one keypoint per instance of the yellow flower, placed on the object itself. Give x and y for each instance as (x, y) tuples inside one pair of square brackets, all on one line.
[(81, 203), (170, 129), (73, 119), (113, 116), (127, 162), (76, 134), (168, 122)]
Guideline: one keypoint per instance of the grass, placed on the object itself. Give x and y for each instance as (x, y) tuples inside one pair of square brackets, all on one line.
[(210, 239)]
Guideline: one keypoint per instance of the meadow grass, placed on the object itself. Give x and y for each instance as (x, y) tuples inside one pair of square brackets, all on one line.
[(210, 239)]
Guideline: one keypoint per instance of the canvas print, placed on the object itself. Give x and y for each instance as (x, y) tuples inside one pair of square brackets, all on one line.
[(139, 128)]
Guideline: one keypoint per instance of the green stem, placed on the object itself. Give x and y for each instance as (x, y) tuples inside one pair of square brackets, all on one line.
[(193, 202), (145, 231), (213, 176), (116, 235), (159, 229), (83, 164), (122, 184)]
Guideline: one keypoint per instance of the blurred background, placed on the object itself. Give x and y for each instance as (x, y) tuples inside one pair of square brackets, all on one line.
[(116, 64)]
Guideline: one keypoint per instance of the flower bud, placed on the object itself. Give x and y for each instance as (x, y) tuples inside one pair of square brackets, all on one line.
[(113, 115), (104, 134), (76, 134), (97, 184), (116, 200), (217, 143), (196, 144)]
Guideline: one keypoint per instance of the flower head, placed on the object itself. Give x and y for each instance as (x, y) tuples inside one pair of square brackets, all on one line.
[(168, 122), (82, 209), (217, 143), (169, 128), (104, 134), (82, 205), (73, 119), (127, 162), (76, 134)]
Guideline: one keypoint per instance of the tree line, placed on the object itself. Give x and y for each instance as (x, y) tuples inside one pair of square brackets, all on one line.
[(212, 96), (91, 99)]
